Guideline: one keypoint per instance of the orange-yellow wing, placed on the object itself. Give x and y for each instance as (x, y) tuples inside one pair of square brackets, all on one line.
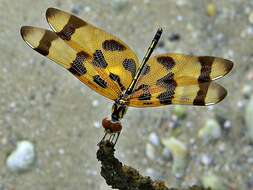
[(78, 62), (180, 79), (112, 58)]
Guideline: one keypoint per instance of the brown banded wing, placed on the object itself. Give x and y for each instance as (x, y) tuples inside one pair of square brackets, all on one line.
[(112, 58), (180, 79), (78, 62)]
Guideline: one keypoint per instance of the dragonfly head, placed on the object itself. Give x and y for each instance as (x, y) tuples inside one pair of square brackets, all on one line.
[(110, 126)]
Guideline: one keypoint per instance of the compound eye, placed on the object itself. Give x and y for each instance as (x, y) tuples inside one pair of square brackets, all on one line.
[(106, 123), (116, 127)]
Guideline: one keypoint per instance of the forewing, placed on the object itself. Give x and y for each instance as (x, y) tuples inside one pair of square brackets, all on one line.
[(111, 57), (180, 79), (78, 62)]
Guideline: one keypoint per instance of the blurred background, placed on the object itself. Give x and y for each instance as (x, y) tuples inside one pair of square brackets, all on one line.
[(50, 122)]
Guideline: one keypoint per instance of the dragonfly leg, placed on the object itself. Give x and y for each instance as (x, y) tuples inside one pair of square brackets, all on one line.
[(106, 133), (110, 137), (117, 134), (113, 137)]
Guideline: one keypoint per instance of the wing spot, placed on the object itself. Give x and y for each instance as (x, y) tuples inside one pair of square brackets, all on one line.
[(206, 63), (70, 28), (146, 95), (113, 45), (142, 86), (77, 67), (116, 78), (170, 84), (45, 43), (67, 32), (201, 94), (167, 81), (166, 97), (167, 61), (130, 65), (99, 59), (146, 70), (98, 80), (147, 103), (145, 92)]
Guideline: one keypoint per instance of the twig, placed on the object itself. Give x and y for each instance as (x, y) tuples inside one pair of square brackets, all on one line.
[(123, 177)]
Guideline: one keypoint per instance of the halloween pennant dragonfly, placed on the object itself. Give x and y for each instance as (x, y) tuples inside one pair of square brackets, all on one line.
[(107, 65)]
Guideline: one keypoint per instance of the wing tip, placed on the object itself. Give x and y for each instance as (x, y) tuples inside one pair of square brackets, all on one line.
[(221, 94), (229, 65), (27, 30), (51, 12), (24, 30), (226, 64)]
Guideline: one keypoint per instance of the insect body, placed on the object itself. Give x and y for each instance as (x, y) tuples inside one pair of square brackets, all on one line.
[(108, 66)]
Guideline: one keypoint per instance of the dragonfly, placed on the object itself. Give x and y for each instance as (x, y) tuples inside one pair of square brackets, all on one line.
[(108, 66)]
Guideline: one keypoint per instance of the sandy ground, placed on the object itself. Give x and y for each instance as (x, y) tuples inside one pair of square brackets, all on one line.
[(46, 105)]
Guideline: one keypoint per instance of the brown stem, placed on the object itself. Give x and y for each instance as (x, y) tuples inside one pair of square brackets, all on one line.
[(124, 177)]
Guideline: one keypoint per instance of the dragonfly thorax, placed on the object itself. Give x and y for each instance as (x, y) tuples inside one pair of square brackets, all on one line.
[(119, 109)]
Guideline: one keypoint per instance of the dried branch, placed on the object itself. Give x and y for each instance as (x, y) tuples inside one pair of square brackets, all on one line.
[(123, 177)]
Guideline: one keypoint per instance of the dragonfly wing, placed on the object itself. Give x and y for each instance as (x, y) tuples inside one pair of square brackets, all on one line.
[(78, 62), (180, 79), (112, 57)]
